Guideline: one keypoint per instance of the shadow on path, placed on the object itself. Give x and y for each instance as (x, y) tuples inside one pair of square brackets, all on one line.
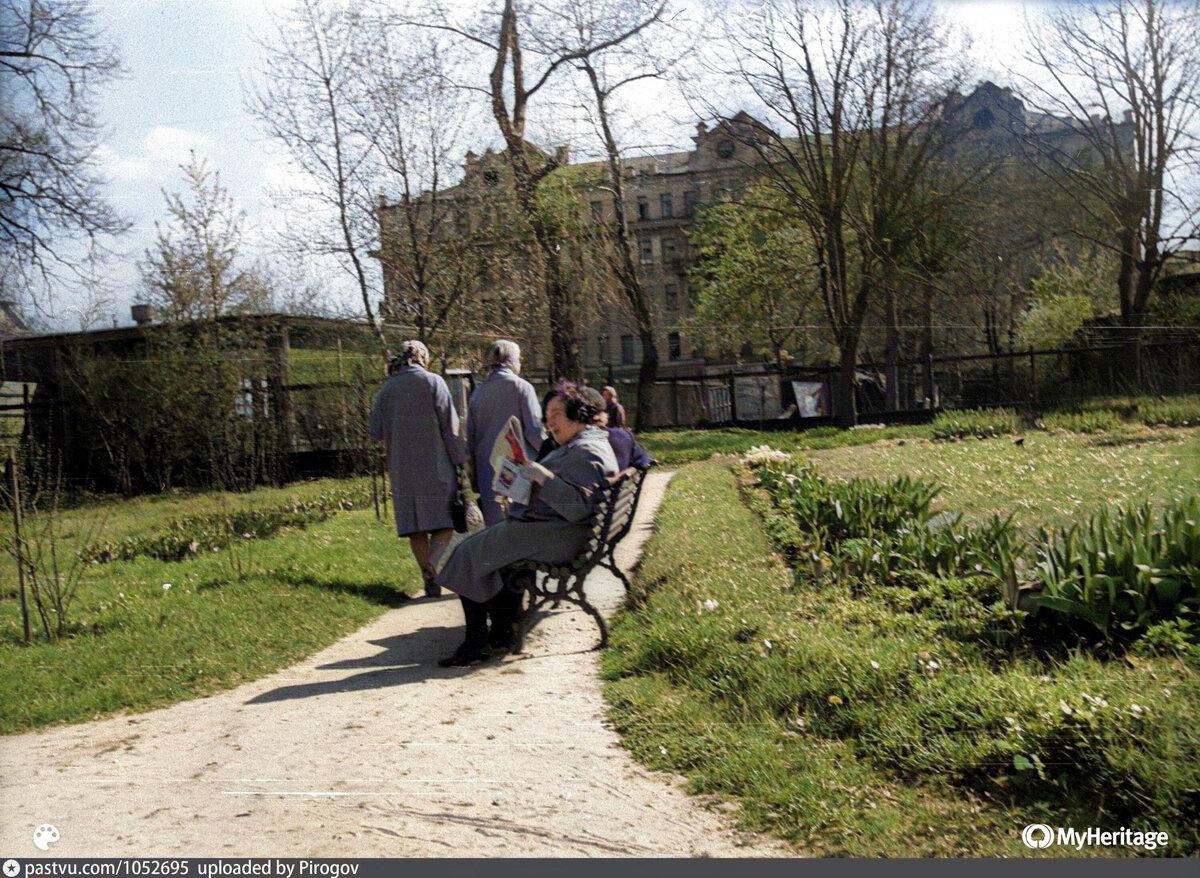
[(402, 659)]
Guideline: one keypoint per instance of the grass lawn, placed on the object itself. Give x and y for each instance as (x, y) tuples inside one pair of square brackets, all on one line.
[(228, 616), (878, 722), (1048, 479)]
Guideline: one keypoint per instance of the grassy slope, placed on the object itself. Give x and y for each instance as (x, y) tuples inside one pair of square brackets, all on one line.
[(1048, 479), (811, 709), (229, 616)]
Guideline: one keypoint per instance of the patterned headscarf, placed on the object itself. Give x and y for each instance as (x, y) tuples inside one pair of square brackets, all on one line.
[(414, 352)]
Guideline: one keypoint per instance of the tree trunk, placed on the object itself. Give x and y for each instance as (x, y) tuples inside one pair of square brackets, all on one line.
[(892, 354)]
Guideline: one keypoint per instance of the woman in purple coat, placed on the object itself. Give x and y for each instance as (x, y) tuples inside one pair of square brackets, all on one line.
[(414, 417), (503, 394)]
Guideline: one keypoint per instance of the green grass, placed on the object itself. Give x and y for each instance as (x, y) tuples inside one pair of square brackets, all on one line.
[(229, 616), (1125, 417), (818, 712), (675, 447), (1051, 478)]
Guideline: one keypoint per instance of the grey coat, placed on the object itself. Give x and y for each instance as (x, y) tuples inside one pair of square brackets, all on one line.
[(500, 396), (413, 415), (552, 528)]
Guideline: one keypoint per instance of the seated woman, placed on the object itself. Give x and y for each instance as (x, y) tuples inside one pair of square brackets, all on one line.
[(627, 450), (552, 527)]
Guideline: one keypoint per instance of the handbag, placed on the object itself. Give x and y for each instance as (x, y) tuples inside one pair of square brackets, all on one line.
[(464, 511), (458, 511)]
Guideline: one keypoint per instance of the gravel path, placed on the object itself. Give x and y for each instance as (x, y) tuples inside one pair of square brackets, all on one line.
[(368, 749)]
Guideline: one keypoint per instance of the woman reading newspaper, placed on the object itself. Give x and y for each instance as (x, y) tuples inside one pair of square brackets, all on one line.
[(550, 526)]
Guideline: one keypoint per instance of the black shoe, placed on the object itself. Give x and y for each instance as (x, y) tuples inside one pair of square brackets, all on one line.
[(501, 638), (432, 589), (467, 654)]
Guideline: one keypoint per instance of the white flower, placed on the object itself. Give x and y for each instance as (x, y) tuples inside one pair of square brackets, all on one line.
[(662, 750), (875, 664), (166, 586), (767, 644), (711, 605)]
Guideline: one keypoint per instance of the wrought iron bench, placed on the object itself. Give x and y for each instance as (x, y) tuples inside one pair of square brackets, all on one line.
[(615, 509)]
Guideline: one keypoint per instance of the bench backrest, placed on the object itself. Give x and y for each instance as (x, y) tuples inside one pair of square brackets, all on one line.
[(615, 509)]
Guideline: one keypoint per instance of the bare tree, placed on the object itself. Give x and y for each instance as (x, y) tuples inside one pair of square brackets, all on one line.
[(856, 88), (419, 123), (52, 59), (529, 46), (192, 270), (589, 31), (304, 98), (1124, 79)]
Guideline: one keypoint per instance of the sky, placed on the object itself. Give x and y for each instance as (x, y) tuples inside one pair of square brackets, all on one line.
[(187, 64)]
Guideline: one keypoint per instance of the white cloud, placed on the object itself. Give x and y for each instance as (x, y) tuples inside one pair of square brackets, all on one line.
[(168, 144)]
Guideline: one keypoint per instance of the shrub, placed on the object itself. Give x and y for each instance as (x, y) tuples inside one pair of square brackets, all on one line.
[(982, 424), (1123, 572), (185, 537)]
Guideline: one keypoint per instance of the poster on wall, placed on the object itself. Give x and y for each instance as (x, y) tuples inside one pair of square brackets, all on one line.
[(810, 399)]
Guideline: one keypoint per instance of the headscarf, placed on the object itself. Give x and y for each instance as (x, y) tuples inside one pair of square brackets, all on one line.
[(414, 352)]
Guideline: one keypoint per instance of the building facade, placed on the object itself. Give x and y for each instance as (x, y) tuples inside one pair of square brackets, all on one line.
[(662, 194)]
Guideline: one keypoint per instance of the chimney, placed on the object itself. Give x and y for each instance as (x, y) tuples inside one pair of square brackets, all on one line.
[(141, 314)]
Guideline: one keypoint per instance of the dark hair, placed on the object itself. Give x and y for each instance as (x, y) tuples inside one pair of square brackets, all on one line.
[(576, 404)]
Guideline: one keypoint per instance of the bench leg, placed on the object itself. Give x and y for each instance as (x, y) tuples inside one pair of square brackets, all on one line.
[(610, 564)]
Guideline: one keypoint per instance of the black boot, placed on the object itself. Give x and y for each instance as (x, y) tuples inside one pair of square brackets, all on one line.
[(475, 648), (504, 610), (467, 654)]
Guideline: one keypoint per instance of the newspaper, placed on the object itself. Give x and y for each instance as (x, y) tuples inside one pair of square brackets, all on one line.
[(507, 458)]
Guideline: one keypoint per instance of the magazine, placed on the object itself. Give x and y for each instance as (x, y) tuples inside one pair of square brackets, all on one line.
[(507, 459)]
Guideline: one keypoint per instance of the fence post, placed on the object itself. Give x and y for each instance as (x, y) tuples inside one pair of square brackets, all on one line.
[(1033, 379), (14, 488)]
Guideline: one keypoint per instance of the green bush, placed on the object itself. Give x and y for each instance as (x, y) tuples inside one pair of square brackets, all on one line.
[(1084, 422), (186, 537), (1123, 572), (982, 424)]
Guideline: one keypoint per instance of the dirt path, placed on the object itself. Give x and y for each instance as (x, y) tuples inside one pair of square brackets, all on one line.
[(368, 749)]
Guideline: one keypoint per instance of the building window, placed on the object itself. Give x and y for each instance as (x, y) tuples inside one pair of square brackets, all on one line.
[(643, 207), (647, 250), (491, 176), (690, 199), (597, 210), (665, 205), (671, 296), (627, 350), (670, 255), (674, 347)]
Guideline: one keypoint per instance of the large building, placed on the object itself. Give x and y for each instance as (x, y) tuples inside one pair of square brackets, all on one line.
[(662, 194)]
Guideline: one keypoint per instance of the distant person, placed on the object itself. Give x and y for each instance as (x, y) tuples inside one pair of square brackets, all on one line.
[(627, 450), (413, 416), (616, 411), (503, 394)]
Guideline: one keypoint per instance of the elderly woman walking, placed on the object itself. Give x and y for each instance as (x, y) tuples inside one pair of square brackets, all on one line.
[(414, 417), (502, 395)]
